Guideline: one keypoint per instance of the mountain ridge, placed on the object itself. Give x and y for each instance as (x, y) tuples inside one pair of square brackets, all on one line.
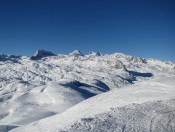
[(92, 53)]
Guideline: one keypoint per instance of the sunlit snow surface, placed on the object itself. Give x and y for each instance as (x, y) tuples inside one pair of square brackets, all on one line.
[(133, 108), (31, 90)]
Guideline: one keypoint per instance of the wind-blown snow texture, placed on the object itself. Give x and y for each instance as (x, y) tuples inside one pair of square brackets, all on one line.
[(152, 116), (33, 88)]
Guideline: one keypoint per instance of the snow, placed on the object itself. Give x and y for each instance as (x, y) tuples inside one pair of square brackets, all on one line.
[(22, 104), (7, 128), (151, 116), (76, 53), (132, 99), (51, 85)]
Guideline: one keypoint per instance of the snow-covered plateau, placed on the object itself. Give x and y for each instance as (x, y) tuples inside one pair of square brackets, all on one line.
[(94, 92)]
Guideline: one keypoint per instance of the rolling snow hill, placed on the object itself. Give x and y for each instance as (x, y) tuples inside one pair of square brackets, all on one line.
[(46, 84), (147, 106)]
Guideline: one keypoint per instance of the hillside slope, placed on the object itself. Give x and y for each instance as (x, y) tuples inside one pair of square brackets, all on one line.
[(133, 108)]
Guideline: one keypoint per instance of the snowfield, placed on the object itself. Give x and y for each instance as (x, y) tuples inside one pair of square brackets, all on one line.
[(49, 92), (133, 108)]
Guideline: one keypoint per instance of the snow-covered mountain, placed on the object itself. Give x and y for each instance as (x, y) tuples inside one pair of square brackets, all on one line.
[(46, 84)]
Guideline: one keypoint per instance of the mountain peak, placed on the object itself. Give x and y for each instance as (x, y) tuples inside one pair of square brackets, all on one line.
[(42, 53), (76, 53)]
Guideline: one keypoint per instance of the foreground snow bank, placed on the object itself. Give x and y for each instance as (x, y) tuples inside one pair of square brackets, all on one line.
[(157, 116), (120, 109)]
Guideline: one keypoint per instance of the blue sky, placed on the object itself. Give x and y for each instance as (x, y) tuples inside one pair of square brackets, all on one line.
[(144, 28)]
